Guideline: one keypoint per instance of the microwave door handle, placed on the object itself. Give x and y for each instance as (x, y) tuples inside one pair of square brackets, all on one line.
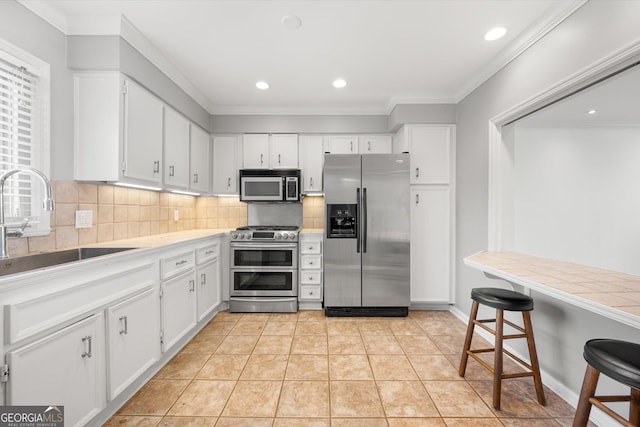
[(358, 213), (364, 220)]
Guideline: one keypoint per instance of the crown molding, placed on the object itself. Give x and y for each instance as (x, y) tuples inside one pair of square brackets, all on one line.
[(553, 18)]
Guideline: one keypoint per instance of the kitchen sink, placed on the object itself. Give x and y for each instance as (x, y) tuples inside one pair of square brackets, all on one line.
[(50, 259)]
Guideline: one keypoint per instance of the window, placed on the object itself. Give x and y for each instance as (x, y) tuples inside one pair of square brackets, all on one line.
[(24, 89)]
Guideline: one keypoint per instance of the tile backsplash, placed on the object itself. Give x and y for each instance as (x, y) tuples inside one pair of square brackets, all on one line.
[(122, 213)]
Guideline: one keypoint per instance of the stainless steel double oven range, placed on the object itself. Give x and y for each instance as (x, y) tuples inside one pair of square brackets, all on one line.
[(264, 269)]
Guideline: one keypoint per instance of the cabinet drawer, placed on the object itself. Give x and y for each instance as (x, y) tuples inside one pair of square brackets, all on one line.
[(176, 264), (207, 253), (310, 277), (311, 247), (310, 293), (310, 262)]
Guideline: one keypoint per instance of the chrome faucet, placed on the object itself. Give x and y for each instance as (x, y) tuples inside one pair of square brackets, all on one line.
[(47, 204)]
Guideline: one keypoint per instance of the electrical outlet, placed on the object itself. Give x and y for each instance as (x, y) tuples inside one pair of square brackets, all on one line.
[(84, 219), (176, 215)]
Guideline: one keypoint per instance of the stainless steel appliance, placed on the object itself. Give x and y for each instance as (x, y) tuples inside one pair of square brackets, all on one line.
[(366, 241), (270, 185), (264, 269)]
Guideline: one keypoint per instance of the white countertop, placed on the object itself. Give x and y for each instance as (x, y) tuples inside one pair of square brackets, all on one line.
[(609, 293)]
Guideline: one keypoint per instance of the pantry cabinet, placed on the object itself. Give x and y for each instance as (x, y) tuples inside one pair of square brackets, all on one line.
[(311, 163), (200, 176), (64, 368), (227, 155), (133, 339), (176, 150)]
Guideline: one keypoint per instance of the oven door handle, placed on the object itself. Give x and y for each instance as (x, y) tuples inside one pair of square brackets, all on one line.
[(270, 299), (259, 247)]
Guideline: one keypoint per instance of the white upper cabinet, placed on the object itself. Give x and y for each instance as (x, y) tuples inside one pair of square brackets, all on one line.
[(255, 151), (431, 152), (142, 134), (341, 144), (200, 177), (227, 154), (176, 150), (283, 151), (311, 162), (264, 151), (117, 130), (375, 144)]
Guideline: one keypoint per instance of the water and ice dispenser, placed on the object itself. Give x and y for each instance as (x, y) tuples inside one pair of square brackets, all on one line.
[(342, 221)]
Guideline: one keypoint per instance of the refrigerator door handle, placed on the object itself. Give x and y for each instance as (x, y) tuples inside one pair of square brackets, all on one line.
[(358, 214), (364, 220)]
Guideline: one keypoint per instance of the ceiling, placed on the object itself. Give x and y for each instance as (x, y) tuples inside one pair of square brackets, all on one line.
[(389, 51)]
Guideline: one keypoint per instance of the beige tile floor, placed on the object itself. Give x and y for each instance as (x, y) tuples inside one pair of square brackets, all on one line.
[(307, 370)]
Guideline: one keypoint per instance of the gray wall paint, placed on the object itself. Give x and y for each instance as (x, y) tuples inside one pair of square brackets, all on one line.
[(47, 43), (297, 124), (421, 114), (93, 52), (593, 32)]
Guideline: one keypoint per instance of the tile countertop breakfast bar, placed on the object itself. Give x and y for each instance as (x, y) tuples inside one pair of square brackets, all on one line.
[(612, 294)]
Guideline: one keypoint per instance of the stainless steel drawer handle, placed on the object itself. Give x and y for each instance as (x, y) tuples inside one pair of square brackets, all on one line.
[(195, 178), (87, 353), (172, 170), (278, 158), (209, 252), (203, 279), (417, 172), (369, 145), (123, 321), (192, 285), (311, 181), (229, 182), (261, 156), (184, 261), (156, 166), (417, 199)]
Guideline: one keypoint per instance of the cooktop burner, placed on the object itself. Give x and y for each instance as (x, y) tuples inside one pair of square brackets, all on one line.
[(270, 227)]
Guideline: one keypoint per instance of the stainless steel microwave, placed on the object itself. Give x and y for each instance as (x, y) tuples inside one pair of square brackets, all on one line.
[(270, 185)]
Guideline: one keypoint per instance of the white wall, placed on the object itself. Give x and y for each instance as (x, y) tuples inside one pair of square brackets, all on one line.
[(577, 195), (592, 33)]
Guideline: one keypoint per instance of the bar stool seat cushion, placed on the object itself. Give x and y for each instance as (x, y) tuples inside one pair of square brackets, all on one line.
[(502, 299), (619, 360)]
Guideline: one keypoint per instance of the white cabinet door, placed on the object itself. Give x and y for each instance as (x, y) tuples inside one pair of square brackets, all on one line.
[(430, 244), (178, 308), (142, 135), (255, 151), (65, 368), (133, 339), (339, 144), (176, 150), (209, 290), (311, 162), (226, 157), (430, 148), (375, 144), (283, 151), (200, 160)]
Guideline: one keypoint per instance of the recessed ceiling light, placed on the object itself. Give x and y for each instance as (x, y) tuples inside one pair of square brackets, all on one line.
[(262, 85), (591, 112), (339, 83), (495, 33), (291, 22)]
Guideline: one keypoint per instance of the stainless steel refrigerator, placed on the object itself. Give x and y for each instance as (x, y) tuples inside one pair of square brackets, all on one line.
[(366, 239)]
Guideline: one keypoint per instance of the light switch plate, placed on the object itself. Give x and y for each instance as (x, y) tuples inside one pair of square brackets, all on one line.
[(84, 219)]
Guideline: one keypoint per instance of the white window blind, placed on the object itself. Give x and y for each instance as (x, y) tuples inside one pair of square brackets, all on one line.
[(20, 112)]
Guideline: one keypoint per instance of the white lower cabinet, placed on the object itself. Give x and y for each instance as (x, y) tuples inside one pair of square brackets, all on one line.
[(64, 368), (430, 244), (310, 291), (209, 290), (133, 339), (178, 304)]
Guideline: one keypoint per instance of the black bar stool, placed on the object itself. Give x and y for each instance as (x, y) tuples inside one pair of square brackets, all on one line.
[(502, 299), (619, 360)]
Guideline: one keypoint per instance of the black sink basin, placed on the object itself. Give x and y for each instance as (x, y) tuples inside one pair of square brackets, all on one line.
[(49, 259)]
